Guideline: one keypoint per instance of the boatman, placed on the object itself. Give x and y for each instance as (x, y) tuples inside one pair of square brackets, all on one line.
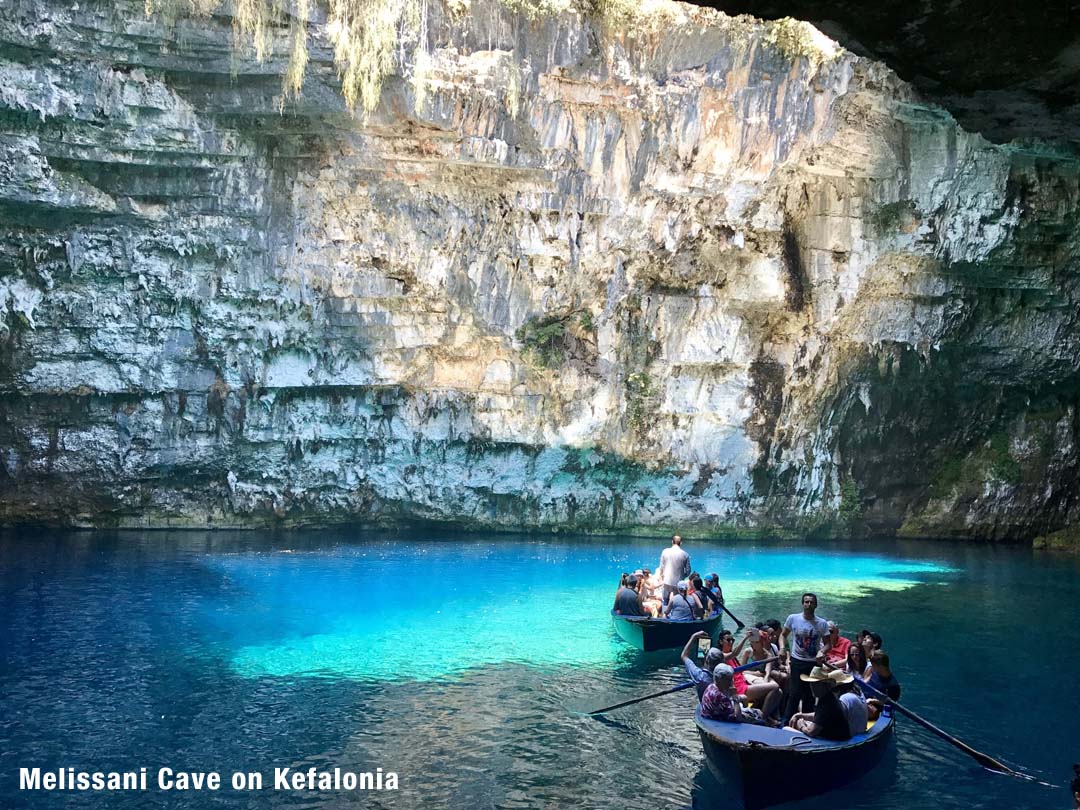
[(674, 565), (808, 634)]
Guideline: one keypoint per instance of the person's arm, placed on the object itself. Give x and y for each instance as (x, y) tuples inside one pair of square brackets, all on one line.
[(686, 651), (736, 704), (738, 649), (701, 606), (782, 641), (810, 728)]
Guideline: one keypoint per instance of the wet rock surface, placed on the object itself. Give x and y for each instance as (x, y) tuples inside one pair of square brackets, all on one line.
[(708, 273)]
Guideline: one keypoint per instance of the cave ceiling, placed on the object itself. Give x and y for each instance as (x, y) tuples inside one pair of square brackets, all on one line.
[(1008, 70)]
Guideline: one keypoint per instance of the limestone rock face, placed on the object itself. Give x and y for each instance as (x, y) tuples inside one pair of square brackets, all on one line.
[(693, 271)]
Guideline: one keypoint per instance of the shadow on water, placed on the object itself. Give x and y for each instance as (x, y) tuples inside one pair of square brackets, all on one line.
[(710, 793)]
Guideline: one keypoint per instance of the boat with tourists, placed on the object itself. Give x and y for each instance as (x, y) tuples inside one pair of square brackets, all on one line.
[(649, 634), (766, 765)]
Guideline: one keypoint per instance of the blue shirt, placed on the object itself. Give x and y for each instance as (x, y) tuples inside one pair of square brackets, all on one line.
[(701, 677), (627, 602), (681, 608), (890, 686)]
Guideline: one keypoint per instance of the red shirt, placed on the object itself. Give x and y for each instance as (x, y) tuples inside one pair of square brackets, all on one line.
[(837, 654), (737, 680)]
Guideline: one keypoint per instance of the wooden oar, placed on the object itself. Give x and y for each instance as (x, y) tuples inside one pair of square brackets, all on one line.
[(985, 760), (740, 624), (679, 688)]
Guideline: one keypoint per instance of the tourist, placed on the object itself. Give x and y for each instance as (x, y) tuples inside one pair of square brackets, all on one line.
[(701, 676), (758, 688), (674, 566), (856, 659), (627, 600), (807, 650), (836, 647), (760, 647), (712, 582), (771, 630), (852, 703), (870, 642), (827, 721), (721, 703), (647, 586), (709, 604), (774, 628), (881, 676), (681, 607), (622, 583)]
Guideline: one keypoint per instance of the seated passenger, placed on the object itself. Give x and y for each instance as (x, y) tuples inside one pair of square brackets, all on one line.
[(881, 677), (627, 601), (851, 702), (756, 685), (827, 721), (870, 642), (836, 647), (701, 676), (856, 659), (704, 596), (712, 582), (681, 607), (721, 703), (648, 586)]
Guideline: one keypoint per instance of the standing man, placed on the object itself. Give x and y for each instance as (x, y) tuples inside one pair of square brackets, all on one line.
[(674, 565), (807, 650)]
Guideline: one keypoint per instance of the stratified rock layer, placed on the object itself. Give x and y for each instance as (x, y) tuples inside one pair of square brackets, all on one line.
[(695, 271)]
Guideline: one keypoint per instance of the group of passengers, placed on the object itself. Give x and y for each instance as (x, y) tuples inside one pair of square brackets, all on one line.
[(809, 688), (674, 592)]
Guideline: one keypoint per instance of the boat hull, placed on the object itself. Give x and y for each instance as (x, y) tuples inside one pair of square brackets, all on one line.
[(767, 766), (649, 635)]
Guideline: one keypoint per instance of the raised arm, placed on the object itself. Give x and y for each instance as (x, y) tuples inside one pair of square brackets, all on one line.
[(738, 648), (686, 651)]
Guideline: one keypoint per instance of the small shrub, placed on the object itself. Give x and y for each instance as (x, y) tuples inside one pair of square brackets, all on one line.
[(544, 340), (850, 502)]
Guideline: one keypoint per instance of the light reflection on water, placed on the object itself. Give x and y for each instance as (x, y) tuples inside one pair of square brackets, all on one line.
[(363, 612)]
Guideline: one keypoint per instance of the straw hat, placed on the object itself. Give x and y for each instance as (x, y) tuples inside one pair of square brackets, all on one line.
[(816, 674), (841, 677)]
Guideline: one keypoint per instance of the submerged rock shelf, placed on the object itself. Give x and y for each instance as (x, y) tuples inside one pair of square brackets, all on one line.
[(716, 273)]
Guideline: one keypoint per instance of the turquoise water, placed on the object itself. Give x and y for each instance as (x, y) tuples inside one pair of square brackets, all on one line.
[(344, 612), (464, 664)]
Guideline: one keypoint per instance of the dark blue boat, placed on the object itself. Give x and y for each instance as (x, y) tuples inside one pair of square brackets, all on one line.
[(767, 766), (648, 634)]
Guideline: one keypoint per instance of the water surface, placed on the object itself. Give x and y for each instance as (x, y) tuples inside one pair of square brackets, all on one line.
[(463, 663)]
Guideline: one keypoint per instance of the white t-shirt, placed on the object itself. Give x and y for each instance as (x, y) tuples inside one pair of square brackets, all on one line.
[(854, 707), (806, 636)]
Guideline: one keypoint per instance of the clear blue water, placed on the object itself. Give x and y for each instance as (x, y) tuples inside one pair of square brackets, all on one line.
[(464, 663)]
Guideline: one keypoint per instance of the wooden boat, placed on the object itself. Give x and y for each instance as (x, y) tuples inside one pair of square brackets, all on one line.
[(648, 634), (767, 766)]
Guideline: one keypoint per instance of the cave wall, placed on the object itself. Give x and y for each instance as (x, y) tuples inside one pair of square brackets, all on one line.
[(697, 271)]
